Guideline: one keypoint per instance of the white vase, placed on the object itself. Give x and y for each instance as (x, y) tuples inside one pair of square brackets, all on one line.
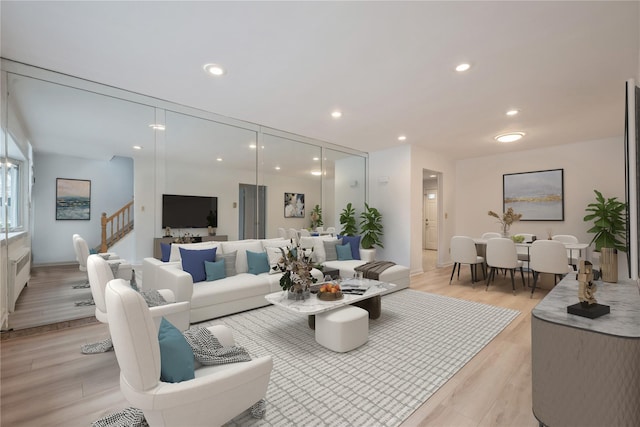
[(368, 255)]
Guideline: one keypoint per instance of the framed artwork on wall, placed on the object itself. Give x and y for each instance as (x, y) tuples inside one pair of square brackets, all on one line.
[(293, 205), (538, 195), (73, 199)]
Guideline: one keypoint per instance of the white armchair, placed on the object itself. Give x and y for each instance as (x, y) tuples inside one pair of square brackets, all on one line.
[(216, 394), (100, 274)]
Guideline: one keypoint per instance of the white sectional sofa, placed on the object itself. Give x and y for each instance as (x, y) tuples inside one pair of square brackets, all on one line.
[(240, 290)]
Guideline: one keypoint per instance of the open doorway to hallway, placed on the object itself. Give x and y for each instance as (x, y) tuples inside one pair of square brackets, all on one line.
[(430, 221)]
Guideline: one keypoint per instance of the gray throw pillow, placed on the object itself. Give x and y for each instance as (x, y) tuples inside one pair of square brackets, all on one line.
[(330, 249), (229, 263)]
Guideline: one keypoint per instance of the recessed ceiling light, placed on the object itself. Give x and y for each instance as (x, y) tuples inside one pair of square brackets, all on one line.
[(277, 168), (432, 176), (219, 159), (316, 173), (252, 146), (157, 126), (214, 69), (336, 114), (463, 67), (509, 137), (402, 138), (315, 159), (137, 147), (513, 112)]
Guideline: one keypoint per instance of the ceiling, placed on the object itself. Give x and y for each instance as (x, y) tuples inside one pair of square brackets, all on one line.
[(388, 66)]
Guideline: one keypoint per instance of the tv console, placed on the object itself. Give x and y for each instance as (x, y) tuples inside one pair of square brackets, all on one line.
[(157, 252)]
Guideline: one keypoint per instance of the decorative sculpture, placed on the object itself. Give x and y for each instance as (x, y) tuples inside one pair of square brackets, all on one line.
[(586, 288)]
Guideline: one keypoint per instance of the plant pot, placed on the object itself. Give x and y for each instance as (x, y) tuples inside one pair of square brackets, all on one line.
[(368, 255), (609, 265), (211, 230)]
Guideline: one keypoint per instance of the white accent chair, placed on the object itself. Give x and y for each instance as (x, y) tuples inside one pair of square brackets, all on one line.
[(463, 251), (568, 238), (216, 394), (82, 253), (501, 254), (548, 256), (100, 273)]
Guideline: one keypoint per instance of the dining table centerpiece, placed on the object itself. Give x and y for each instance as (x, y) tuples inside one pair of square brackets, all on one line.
[(505, 221), (296, 265)]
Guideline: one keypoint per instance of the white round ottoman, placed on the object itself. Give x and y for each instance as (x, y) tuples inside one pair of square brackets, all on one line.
[(342, 329)]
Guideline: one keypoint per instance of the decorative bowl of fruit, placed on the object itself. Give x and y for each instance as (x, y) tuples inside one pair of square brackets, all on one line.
[(329, 292)]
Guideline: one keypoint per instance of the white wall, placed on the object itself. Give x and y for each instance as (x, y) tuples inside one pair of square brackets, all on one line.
[(347, 188), (587, 166), (111, 188)]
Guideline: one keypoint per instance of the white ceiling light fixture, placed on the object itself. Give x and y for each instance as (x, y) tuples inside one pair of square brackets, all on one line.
[(214, 69), (402, 138), (315, 159), (336, 114), (463, 67), (157, 126), (252, 146), (509, 137), (137, 147), (316, 173), (219, 159), (513, 112), (277, 168)]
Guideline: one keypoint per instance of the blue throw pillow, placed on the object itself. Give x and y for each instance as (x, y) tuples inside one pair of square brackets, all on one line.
[(193, 262), (355, 245), (344, 252), (176, 356), (258, 262), (165, 249), (214, 270)]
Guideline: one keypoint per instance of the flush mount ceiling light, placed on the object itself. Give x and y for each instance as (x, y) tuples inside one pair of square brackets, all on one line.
[(463, 67), (509, 137), (513, 112), (157, 126), (336, 114), (214, 69), (402, 138)]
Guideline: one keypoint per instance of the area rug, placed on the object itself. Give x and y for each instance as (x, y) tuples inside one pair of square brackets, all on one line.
[(420, 341)]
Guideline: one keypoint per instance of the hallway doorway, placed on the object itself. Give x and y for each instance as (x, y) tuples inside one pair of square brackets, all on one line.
[(430, 219)]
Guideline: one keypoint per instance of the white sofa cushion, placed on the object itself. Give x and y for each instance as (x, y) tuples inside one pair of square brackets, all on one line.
[(175, 248), (242, 246), (240, 286), (276, 243)]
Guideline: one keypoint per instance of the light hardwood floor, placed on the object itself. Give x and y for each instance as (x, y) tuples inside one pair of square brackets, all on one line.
[(46, 381)]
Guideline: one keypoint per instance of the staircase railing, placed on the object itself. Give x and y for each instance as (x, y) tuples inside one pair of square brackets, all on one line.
[(116, 226)]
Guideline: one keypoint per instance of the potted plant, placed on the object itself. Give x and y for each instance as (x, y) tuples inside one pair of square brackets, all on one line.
[(609, 226), (371, 229), (316, 217), (348, 221), (211, 221)]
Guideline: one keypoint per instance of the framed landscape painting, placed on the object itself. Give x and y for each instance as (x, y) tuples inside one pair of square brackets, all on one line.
[(73, 199), (538, 196), (293, 205)]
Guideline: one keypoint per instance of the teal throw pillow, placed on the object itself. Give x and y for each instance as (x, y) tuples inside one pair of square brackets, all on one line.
[(214, 270), (258, 262), (193, 262), (176, 356), (344, 252)]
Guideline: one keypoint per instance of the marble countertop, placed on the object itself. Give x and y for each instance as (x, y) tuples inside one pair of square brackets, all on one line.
[(622, 297)]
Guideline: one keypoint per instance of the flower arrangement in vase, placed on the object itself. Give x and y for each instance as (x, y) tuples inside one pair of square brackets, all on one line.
[(508, 218), (296, 265)]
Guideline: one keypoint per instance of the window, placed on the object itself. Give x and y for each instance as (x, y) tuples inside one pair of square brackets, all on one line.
[(10, 181)]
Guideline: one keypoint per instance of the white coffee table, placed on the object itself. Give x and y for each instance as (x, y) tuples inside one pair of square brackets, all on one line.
[(369, 300)]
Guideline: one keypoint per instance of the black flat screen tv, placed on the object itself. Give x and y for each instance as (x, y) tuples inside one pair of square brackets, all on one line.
[(188, 211)]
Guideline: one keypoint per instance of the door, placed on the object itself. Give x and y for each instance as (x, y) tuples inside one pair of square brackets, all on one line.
[(251, 211), (430, 233)]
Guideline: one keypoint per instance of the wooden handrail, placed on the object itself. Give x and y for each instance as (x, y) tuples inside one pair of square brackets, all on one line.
[(116, 226)]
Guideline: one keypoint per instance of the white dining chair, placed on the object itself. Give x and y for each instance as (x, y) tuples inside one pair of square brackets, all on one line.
[(548, 256), (282, 233), (501, 254), (490, 235), (523, 252), (570, 239), (293, 235), (463, 251), (331, 230), (304, 233)]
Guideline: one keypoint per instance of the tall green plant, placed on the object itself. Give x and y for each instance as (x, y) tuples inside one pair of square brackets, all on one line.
[(371, 227), (348, 221), (316, 217), (609, 222)]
